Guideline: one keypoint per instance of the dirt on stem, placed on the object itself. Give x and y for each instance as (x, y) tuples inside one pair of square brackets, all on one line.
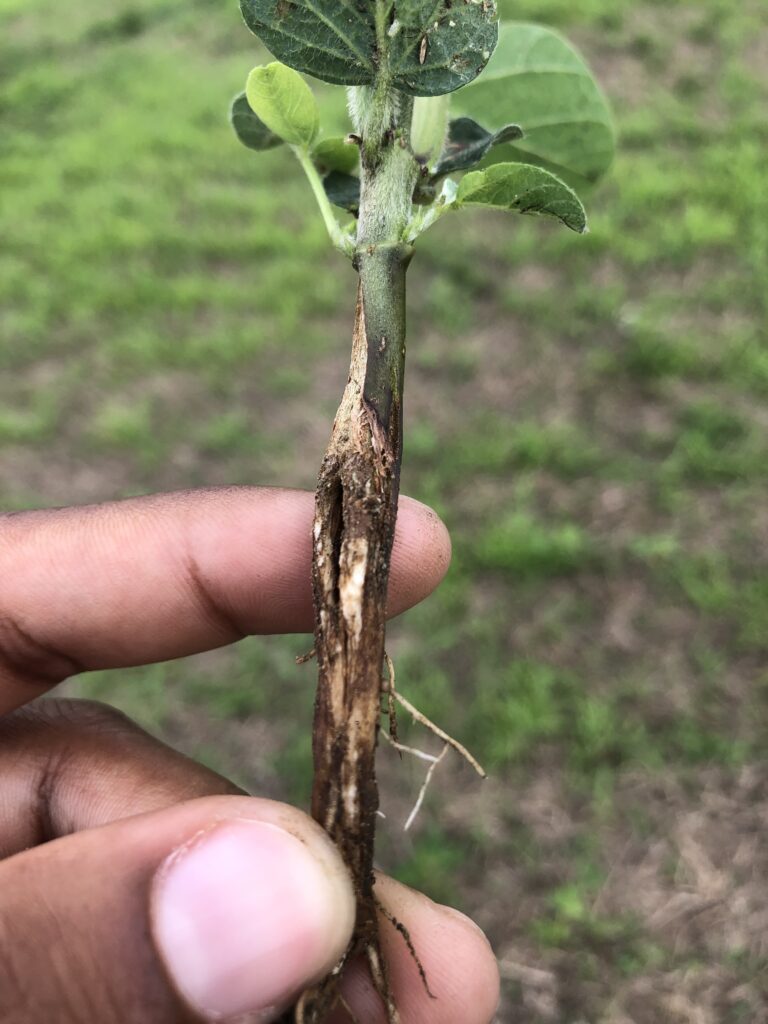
[(354, 527)]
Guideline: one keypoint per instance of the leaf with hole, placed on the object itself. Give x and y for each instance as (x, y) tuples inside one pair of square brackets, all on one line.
[(525, 189), (431, 46), (250, 129), (281, 98), (468, 142), (539, 80)]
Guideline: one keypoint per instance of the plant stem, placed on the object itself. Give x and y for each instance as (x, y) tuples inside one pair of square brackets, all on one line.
[(354, 527), (355, 513)]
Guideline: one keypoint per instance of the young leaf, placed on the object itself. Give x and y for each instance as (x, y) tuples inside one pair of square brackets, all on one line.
[(432, 46), (523, 188), (428, 127), (537, 78), (468, 143), (335, 154), (343, 190), (251, 131), (284, 102)]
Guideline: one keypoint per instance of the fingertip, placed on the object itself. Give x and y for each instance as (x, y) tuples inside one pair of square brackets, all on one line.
[(252, 908), (421, 555), (459, 964), (470, 945)]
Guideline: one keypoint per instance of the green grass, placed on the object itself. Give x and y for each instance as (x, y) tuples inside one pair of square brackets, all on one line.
[(587, 414)]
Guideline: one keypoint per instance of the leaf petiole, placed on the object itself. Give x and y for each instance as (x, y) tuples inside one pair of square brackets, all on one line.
[(341, 240), (425, 216)]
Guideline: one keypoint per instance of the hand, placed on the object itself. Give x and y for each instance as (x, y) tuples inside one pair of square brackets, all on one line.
[(137, 887)]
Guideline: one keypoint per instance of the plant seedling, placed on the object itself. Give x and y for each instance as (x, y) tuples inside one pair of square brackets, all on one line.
[(531, 126)]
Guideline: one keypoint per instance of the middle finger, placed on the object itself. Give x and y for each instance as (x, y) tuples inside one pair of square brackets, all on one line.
[(70, 765)]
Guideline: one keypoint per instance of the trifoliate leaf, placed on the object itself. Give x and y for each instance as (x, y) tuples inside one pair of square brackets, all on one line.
[(281, 98), (251, 131), (468, 143), (431, 46), (525, 189)]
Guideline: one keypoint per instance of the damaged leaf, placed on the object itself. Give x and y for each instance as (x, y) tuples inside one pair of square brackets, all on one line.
[(431, 46), (468, 142), (524, 189)]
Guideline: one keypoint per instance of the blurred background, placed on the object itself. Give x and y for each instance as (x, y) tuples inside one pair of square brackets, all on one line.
[(588, 415)]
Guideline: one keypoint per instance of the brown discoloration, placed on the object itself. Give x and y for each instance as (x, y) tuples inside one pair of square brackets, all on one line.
[(356, 509)]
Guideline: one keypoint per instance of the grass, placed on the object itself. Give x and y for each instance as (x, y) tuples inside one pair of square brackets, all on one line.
[(588, 415)]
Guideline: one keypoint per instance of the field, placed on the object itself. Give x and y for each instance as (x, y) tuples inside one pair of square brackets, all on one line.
[(589, 416)]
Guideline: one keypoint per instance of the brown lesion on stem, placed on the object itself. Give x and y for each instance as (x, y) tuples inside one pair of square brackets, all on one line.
[(354, 526)]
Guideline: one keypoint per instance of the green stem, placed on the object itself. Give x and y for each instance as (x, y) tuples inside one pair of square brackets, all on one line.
[(341, 240), (382, 279)]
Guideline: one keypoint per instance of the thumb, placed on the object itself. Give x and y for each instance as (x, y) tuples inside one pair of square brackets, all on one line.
[(219, 908)]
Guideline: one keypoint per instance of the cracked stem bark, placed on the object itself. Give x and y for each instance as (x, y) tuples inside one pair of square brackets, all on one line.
[(356, 509)]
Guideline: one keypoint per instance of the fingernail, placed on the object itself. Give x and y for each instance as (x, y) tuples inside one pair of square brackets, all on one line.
[(245, 916)]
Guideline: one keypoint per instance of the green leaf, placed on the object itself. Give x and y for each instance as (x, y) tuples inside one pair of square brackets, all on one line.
[(251, 131), (536, 78), (468, 143), (437, 48), (335, 154), (284, 102), (523, 188), (428, 127), (343, 190), (431, 46)]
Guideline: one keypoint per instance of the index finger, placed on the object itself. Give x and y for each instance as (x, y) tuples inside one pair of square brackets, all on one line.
[(148, 579)]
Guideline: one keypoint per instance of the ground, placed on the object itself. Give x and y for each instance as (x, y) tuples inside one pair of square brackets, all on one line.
[(588, 415)]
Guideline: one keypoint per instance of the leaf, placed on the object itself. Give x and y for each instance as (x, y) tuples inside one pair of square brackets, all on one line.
[(335, 154), (536, 78), (343, 190), (440, 47), (524, 188), (468, 142), (251, 131), (428, 127), (284, 102), (334, 40), (432, 46)]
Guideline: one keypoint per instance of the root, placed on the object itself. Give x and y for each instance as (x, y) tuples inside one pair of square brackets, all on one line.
[(391, 705), (422, 719), (302, 659), (381, 983), (422, 755), (406, 935), (423, 791), (348, 1010)]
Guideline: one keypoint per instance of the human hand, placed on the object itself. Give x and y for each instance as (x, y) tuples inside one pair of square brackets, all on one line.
[(138, 886)]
